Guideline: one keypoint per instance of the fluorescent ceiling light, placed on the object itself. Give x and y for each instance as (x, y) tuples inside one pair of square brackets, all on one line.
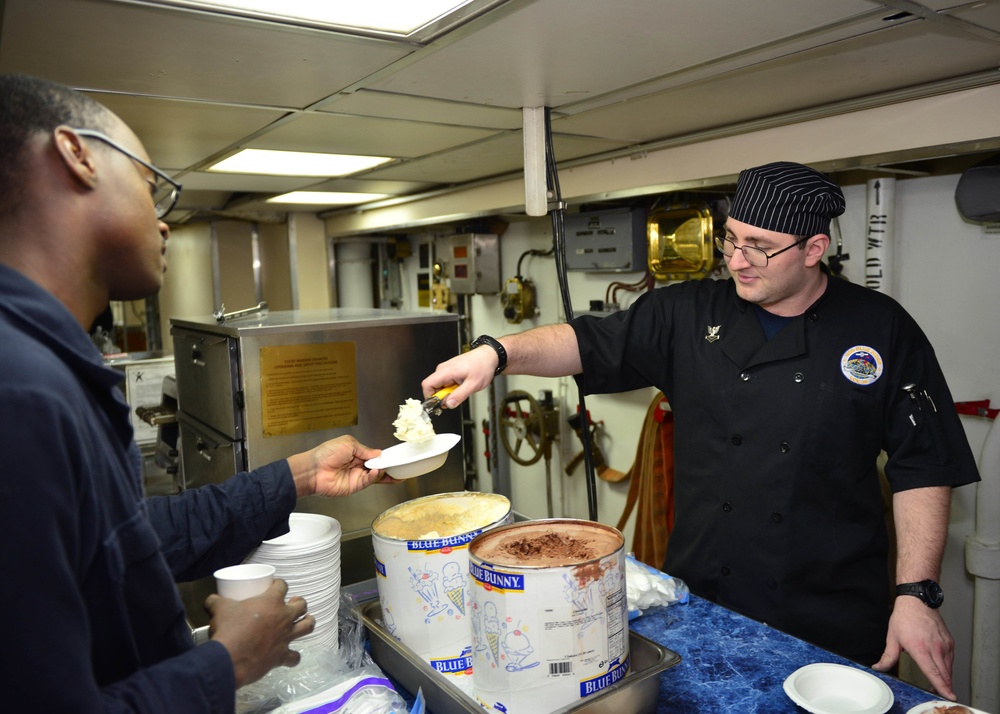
[(397, 17), (326, 198), (296, 163)]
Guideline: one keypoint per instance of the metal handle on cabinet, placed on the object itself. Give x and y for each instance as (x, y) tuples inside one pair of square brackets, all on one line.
[(203, 450), (221, 315)]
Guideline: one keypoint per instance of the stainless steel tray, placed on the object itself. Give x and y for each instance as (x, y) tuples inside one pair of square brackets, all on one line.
[(636, 694)]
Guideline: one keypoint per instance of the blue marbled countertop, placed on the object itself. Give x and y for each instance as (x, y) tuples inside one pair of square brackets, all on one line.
[(730, 663)]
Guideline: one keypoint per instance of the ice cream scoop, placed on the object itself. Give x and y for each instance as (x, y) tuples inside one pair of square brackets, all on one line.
[(432, 405)]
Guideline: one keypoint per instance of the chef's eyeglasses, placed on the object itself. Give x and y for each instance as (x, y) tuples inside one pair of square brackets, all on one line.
[(166, 191), (755, 256)]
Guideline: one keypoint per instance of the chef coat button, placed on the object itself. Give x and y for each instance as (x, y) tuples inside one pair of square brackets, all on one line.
[(727, 507), (737, 439), (745, 376), (813, 317), (726, 570), (776, 517), (785, 448), (799, 377), (771, 584)]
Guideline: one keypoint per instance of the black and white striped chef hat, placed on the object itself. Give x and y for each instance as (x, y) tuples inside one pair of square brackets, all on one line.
[(787, 198)]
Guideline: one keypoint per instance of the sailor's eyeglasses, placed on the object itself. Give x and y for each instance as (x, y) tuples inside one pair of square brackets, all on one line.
[(166, 191)]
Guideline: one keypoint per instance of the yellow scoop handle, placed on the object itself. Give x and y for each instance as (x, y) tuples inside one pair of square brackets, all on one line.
[(444, 392), (433, 404)]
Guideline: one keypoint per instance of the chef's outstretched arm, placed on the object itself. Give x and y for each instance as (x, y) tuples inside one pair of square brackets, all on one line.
[(921, 517), (547, 351)]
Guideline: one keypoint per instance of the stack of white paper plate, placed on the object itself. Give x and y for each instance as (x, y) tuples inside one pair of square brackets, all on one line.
[(308, 559)]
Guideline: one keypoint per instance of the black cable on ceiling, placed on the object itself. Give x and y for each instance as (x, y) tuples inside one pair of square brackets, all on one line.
[(558, 214)]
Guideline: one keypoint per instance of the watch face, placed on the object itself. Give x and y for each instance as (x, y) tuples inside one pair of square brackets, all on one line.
[(933, 594)]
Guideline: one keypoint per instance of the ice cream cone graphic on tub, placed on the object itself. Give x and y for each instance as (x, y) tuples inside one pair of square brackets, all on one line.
[(493, 627), (454, 584)]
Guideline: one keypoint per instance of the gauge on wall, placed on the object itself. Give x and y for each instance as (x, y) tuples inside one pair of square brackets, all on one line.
[(518, 300), (680, 242)]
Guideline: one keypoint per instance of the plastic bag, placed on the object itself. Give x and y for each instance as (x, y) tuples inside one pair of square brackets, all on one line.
[(344, 681), (419, 705), (646, 587)]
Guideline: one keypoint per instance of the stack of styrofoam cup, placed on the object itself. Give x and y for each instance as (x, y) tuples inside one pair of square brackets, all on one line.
[(308, 559)]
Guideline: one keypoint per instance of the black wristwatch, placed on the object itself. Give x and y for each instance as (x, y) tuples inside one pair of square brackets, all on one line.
[(497, 347), (927, 590)]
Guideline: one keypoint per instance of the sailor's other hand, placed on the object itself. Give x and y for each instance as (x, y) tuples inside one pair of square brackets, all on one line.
[(335, 468), (258, 631)]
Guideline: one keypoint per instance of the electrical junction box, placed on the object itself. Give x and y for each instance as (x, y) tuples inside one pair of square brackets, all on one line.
[(607, 241), (473, 261)]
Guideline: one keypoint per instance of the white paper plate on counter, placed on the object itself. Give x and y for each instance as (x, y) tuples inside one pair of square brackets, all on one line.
[(826, 688), (407, 460), (929, 707)]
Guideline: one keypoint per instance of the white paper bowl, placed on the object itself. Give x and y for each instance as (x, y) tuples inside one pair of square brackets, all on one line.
[(408, 460), (306, 531), (826, 688)]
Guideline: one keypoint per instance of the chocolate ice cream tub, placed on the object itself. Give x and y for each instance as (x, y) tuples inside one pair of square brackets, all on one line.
[(422, 574), (549, 614)]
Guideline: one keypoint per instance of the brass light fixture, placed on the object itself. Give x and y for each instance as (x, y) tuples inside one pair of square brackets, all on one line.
[(680, 242)]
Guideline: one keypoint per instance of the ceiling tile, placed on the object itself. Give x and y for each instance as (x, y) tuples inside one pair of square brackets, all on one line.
[(391, 106), (984, 15), (899, 57), (180, 134), (500, 155), (346, 134), (943, 5), (526, 60), (395, 188), (241, 183), (171, 52), (201, 200)]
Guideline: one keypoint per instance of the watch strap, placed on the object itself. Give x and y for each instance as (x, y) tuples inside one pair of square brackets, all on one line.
[(928, 591), (497, 347)]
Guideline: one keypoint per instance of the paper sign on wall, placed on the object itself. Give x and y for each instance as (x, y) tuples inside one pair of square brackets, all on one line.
[(309, 387), (144, 388)]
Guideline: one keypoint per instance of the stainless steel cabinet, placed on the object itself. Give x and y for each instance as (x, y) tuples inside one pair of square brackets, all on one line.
[(250, 390)]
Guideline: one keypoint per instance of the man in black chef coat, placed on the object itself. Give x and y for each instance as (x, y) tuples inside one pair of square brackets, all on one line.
[(786, 384)]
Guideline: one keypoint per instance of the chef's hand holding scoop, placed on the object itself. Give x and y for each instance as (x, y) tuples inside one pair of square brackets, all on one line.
[(432, 406), (422, 451)]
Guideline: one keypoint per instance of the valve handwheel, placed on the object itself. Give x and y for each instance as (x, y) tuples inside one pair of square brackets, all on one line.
[(522, 427)]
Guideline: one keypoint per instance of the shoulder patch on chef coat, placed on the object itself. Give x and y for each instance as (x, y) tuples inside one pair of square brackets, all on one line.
[(861, 365)]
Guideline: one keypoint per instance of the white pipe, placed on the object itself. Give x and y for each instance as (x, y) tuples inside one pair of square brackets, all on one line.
[(536, 201), (982, 560), (879, 236), (355, 286)]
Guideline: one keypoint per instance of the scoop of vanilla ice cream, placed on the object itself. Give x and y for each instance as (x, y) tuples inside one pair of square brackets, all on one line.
[(413, 425)]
